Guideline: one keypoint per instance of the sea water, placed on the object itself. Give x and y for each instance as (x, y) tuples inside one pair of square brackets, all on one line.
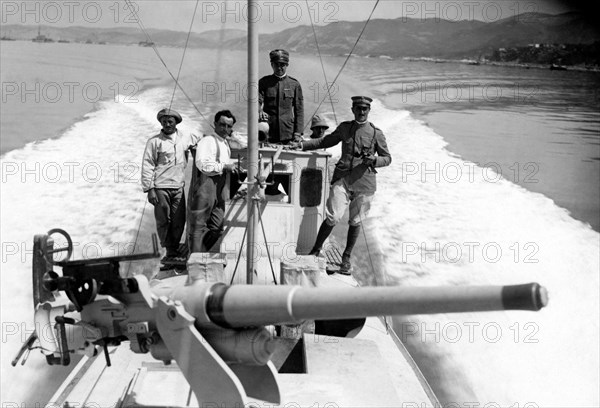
[(440, 217)]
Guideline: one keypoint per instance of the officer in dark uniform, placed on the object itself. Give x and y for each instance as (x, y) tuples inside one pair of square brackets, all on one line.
[(353, 184), (283, 101), (283, 108)]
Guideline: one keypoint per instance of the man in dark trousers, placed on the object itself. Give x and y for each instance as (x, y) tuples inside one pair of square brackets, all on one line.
[(207, 211), (163, 166), (363, 149)]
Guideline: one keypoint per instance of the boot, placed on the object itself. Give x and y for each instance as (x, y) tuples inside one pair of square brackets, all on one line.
[(353, 233), (324, 232), (352, 237), (345, 266)]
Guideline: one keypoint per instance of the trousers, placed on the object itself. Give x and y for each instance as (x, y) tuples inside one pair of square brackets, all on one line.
[(207, 212), (340, 196), (170, 217)]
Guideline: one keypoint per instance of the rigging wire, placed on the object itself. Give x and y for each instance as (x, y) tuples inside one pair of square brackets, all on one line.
[(177, 84), (346, 61), (219, 58), (387, 327), (187, 40), (139, 21), (137, 234), (239, 257), (237, 261), (266, 243), (321, 60)]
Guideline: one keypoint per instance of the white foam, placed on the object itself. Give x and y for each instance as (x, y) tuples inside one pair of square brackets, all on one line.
[(561, 369), (539, 242), (86, 182)]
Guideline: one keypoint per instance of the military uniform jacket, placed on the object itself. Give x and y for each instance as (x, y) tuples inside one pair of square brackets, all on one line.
[(356, 140), (284, 104)]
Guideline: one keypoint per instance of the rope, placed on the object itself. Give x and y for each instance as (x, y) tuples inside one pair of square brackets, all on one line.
[(346, 61), (321, 60)]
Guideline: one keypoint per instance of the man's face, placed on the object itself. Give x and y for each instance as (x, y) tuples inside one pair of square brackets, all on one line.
[(279, 68), (361, 112), (224, 126), (318, 132), (168, 124)]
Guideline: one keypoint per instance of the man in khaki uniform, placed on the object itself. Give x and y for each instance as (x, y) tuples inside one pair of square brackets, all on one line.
[(364, 148)]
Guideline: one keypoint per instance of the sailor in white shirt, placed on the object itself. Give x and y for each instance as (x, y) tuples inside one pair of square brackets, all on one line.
[(213, 160)]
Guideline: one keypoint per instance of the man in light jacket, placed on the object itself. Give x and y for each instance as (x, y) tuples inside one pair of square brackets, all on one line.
[(163, 166)]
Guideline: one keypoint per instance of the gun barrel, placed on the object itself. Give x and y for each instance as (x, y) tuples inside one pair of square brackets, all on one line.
[(255, 305)]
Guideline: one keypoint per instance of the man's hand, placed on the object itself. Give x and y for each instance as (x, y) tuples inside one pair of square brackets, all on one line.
[(295, 145), (263, 116), (369, 160), (233, 168), (152, 197)]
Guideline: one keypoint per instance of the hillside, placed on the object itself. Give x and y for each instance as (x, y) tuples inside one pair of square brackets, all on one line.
[(402, 37), (436, 38), (126, 35)]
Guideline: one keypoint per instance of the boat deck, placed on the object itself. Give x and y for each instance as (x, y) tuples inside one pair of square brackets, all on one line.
[(367, 371)]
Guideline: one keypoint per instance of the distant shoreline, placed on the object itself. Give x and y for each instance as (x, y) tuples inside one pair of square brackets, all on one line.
[(436, 60), (465, 61), (521, 65)]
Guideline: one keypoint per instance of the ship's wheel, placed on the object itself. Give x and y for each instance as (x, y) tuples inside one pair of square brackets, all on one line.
[(68, 249)]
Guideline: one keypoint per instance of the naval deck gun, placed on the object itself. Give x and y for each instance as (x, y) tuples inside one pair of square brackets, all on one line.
[(215, 332)]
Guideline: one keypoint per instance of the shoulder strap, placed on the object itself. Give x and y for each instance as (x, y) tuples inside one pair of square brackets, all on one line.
[(218, 148), (374, 135)]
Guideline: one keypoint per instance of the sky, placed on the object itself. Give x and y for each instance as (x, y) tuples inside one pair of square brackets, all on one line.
[(273, 16)]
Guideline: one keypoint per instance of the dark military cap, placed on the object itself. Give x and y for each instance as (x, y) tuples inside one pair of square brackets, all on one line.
[(362, 101), (279, 56), (169, 112)]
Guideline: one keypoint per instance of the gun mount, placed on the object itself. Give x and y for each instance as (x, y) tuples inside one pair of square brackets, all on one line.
[(211, 327)]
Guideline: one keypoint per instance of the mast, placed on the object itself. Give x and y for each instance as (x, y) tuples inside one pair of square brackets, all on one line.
[(252, 136)]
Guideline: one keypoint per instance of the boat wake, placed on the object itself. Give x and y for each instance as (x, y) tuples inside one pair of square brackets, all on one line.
[(439, 220), (86, 182), (443, 221)]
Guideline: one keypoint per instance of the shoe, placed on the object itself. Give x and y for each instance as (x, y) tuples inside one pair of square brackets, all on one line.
[(345, 268), (165, 268)]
